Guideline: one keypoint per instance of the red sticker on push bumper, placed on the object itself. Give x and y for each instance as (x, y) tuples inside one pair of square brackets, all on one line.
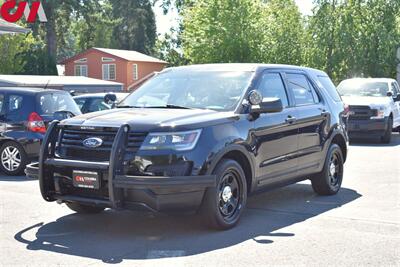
[(85, 179)]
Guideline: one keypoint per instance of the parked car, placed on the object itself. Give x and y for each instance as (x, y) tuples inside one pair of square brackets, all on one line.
[(223, 131), (374, 107), (98, 101), (24, 116)]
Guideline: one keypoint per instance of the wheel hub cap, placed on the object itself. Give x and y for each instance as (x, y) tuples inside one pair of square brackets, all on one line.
[(10, 158), (226, 193), (332, 169)]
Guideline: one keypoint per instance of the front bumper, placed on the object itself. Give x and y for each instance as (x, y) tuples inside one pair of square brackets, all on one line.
[(367, 128), (119, 191)]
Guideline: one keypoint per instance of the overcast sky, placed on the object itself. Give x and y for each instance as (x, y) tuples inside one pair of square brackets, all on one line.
[(165, 22)]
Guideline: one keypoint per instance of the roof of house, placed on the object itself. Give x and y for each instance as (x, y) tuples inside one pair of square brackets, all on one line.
[(6, 27), (123, 54), (36, 80)]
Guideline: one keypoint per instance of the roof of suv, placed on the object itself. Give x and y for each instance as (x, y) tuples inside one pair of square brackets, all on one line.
[(27, 90), (384, 80), (240, 67)]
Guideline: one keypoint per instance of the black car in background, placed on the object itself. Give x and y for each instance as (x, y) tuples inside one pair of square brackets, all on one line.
[(24, 116), (199, 138), (98, 101)]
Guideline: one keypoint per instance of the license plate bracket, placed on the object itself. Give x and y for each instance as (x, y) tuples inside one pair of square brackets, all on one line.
[(86, 179)]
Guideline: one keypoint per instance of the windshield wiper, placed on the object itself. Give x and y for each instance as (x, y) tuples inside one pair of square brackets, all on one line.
[(126, 106), (169, 106), (166, 106)]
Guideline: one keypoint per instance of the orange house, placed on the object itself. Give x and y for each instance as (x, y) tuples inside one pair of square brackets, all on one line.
[(124, 66)]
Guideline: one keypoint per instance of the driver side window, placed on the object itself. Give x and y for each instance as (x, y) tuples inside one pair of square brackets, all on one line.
[(271, 85)]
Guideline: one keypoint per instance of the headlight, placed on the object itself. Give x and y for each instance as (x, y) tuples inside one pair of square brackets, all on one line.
[(380, 113), (180, 141)]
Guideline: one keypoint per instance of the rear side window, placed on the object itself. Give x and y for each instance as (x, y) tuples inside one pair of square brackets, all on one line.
[(303, 91), (53, 102), (15, 103), (272, 86), (98, 105), (330, 88)]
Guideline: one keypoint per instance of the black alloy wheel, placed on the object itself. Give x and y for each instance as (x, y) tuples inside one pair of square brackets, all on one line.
[(223, 205), (329, 180)]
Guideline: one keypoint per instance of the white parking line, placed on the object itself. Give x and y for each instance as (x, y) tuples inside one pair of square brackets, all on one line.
[(165, 258)]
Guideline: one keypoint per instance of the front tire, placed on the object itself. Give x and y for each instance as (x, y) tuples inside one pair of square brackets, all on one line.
[(329, 181), (388, 134), (84, 209), (223, 205), (13, 158)]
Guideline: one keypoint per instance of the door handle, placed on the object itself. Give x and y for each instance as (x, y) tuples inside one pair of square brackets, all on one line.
[(290, 119), (324, 113)]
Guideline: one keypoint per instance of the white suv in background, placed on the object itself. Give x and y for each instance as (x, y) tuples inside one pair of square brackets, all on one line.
[(373, 107)]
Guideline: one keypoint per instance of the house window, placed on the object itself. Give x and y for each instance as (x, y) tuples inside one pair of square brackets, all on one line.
[(135, 71), (107, 59), (109, 72), (82, 60), (81, 70)]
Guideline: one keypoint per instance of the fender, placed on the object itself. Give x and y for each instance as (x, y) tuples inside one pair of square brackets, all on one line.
[(243, 148)]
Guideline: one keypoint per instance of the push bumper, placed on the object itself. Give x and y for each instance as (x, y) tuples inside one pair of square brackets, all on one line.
[(155, 193), (367, 128)]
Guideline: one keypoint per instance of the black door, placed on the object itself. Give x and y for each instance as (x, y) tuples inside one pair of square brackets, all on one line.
[(2, 114), (276, 135), (312, 117)]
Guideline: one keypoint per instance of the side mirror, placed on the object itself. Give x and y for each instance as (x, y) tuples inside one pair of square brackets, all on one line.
[(268, 105), (390, 94), (110, 98)]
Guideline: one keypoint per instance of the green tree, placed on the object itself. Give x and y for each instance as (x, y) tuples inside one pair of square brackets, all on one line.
[(222, 31), (282, 33), (135, 28)]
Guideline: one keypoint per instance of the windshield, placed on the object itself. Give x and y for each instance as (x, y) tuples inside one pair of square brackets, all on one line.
[(53, 102), (363, 88), (216, 90)]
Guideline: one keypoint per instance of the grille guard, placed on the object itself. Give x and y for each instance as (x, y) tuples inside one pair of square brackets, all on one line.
[(116, 182)]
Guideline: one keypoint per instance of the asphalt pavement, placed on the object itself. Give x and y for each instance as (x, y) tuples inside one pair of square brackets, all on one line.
[(288, 226)]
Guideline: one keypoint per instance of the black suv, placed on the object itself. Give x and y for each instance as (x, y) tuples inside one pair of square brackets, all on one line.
[(199, 138), (24, 115)]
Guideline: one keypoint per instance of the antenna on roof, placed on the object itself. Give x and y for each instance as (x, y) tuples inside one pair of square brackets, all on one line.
[(47, 84)]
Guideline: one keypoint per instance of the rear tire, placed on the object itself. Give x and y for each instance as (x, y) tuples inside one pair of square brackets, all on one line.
[(329, 181), (223, 205), (13, 158), (388, 134), (84, 209)]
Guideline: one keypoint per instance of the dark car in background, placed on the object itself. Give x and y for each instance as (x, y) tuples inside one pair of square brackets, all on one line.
[(24, 115), (199, 138), (98, 101)]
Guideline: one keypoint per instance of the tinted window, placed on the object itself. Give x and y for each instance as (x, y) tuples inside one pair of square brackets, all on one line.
[(80, 102), (98, 104), (15, 102), (53, 102), (271, 85), (330, 87), (303, 92)]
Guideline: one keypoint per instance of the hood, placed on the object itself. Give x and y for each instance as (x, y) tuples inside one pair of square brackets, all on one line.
[(370, 101), (153, 119)]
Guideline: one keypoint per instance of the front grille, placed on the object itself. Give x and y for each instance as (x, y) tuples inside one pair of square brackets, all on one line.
[(71, 143), (361, 112)]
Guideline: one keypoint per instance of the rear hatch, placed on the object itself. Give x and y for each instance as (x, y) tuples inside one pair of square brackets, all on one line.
[(56, 105)]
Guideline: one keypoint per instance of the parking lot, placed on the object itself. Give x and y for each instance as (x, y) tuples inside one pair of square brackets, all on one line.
[(288, 226)]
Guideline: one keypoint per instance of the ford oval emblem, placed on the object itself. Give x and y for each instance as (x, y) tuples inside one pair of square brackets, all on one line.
[(92, 142)]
